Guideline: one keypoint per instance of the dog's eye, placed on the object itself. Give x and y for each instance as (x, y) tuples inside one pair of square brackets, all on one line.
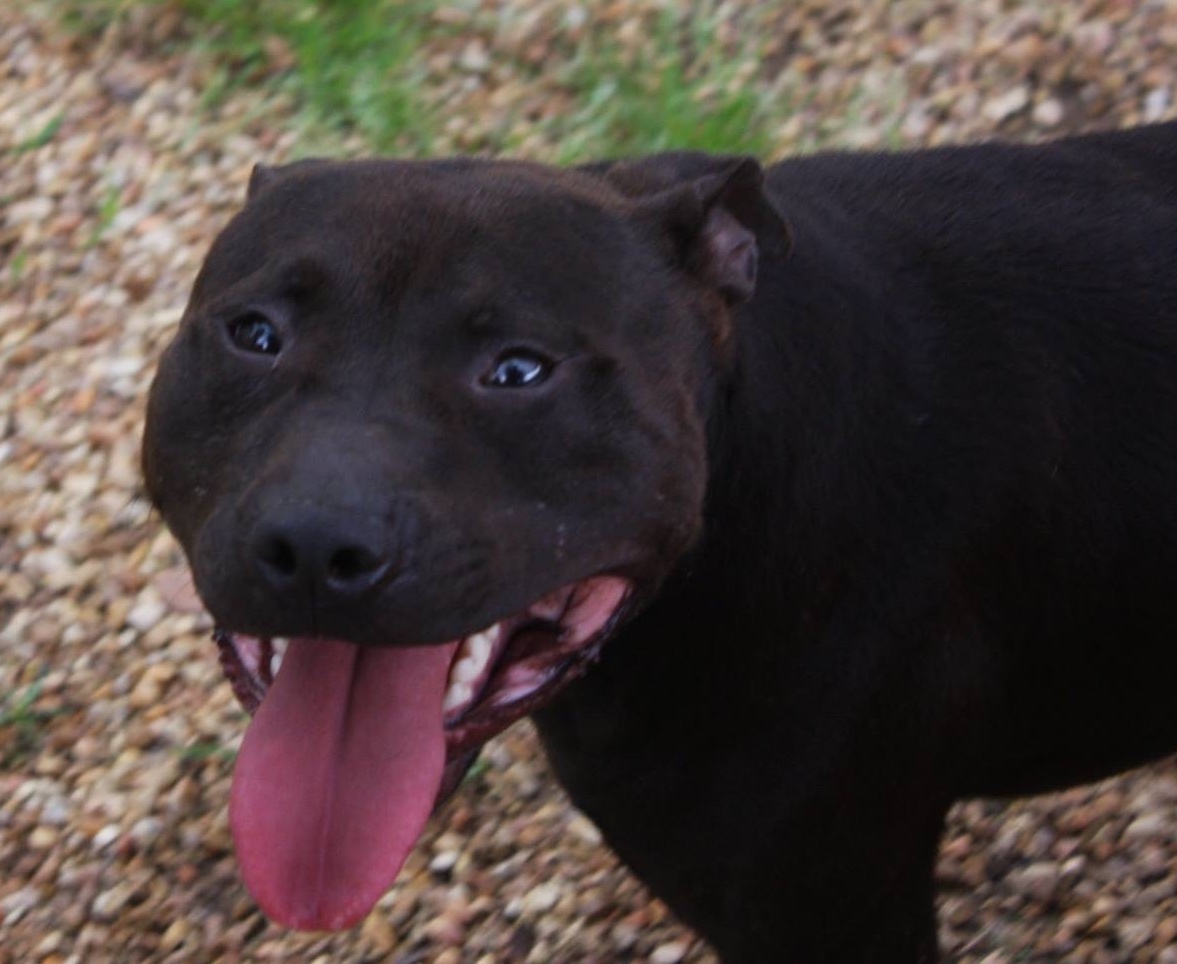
[(255, 333), (518, 369)]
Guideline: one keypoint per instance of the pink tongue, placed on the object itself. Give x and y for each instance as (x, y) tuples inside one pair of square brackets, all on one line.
[(336, 777)]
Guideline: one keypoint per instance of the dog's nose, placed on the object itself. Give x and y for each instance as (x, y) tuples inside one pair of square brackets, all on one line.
[(320, 555)]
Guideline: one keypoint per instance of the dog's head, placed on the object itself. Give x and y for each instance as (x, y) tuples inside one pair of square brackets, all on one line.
[(427, 434)]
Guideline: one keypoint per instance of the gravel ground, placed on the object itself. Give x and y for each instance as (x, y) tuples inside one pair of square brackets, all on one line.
[(116, 732)]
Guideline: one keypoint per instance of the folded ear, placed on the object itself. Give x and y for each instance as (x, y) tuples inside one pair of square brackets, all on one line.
[(713, 211), (263, 175), (259, 177)]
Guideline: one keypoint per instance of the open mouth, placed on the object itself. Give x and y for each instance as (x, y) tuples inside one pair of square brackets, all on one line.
[(496, 675), (351, 747)]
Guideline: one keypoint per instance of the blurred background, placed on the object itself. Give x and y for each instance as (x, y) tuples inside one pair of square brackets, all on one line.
[(127, 131)]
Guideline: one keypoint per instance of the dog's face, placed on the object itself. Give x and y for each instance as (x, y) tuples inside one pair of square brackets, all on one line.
[(428, 432)]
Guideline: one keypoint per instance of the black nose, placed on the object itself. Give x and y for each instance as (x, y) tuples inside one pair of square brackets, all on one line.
[(330, 557)]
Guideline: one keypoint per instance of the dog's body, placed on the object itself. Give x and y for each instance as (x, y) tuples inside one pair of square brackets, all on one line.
[(924, 541)]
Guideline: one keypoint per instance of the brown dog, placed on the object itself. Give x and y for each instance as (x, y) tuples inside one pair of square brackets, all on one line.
[(853, 531)]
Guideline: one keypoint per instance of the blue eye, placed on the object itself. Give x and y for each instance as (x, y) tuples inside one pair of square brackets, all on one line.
[(518, 369), (255, 333)]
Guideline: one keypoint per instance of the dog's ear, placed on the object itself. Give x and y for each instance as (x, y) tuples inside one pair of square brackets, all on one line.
[(263, 175), (712, 220), (713, 211), (259, 177)]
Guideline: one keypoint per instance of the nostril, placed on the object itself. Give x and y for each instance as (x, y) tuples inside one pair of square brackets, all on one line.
[(354, 567), (278, 555), (311, 555)]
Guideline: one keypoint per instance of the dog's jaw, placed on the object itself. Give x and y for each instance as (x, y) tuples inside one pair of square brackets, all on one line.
[(352, 748)]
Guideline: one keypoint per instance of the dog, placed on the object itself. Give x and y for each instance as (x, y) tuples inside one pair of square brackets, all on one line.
[(794, 504)]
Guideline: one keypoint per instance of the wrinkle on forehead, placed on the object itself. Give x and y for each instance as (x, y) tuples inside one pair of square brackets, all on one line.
[(431, 244)]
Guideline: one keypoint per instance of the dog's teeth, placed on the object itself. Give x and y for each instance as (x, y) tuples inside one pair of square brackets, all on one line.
[(466, 670), (474, 654), (278, 644), (455, 696), (482, 643), (469, 666)]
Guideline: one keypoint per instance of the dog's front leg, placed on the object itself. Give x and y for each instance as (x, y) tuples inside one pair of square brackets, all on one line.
[(802, 836)]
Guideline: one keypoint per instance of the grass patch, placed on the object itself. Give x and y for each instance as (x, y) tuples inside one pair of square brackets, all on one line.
[(22, 724), (108, 209), (478, 769), (685, 91), (17, 265), (42, 137), (387, 70), (204, 750), (351, 65)]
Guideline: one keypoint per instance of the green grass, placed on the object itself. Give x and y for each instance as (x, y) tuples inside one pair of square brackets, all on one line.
[(358, 67), (108, 208), (478, 769), (354, 65), (203, 750), (42, 137), (16, 266), (24, 721), (684, 92), (353, 61)]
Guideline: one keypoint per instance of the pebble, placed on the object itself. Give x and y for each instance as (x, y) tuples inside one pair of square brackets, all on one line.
[(16, 904), (541, 898), (109, 903), (379, 933), (106, 836), (444, 862), (146, 830), (1147, 826), (175, 935), (149, 688), (997, 109), (56, 812), (1049, 113), (474, 57), (669, 953), (1039, 881), (1156, 104), (42, 838), (446, 929), (585, 830), (148, 611)]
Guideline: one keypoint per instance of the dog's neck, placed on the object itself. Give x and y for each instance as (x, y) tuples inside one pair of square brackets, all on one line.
[(766, 463)]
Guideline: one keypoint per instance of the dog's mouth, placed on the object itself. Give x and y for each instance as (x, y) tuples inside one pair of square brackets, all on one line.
[(351, 747), (496, 675)]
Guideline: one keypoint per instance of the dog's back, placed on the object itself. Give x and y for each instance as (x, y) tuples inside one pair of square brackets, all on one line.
[(1023, 331)]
